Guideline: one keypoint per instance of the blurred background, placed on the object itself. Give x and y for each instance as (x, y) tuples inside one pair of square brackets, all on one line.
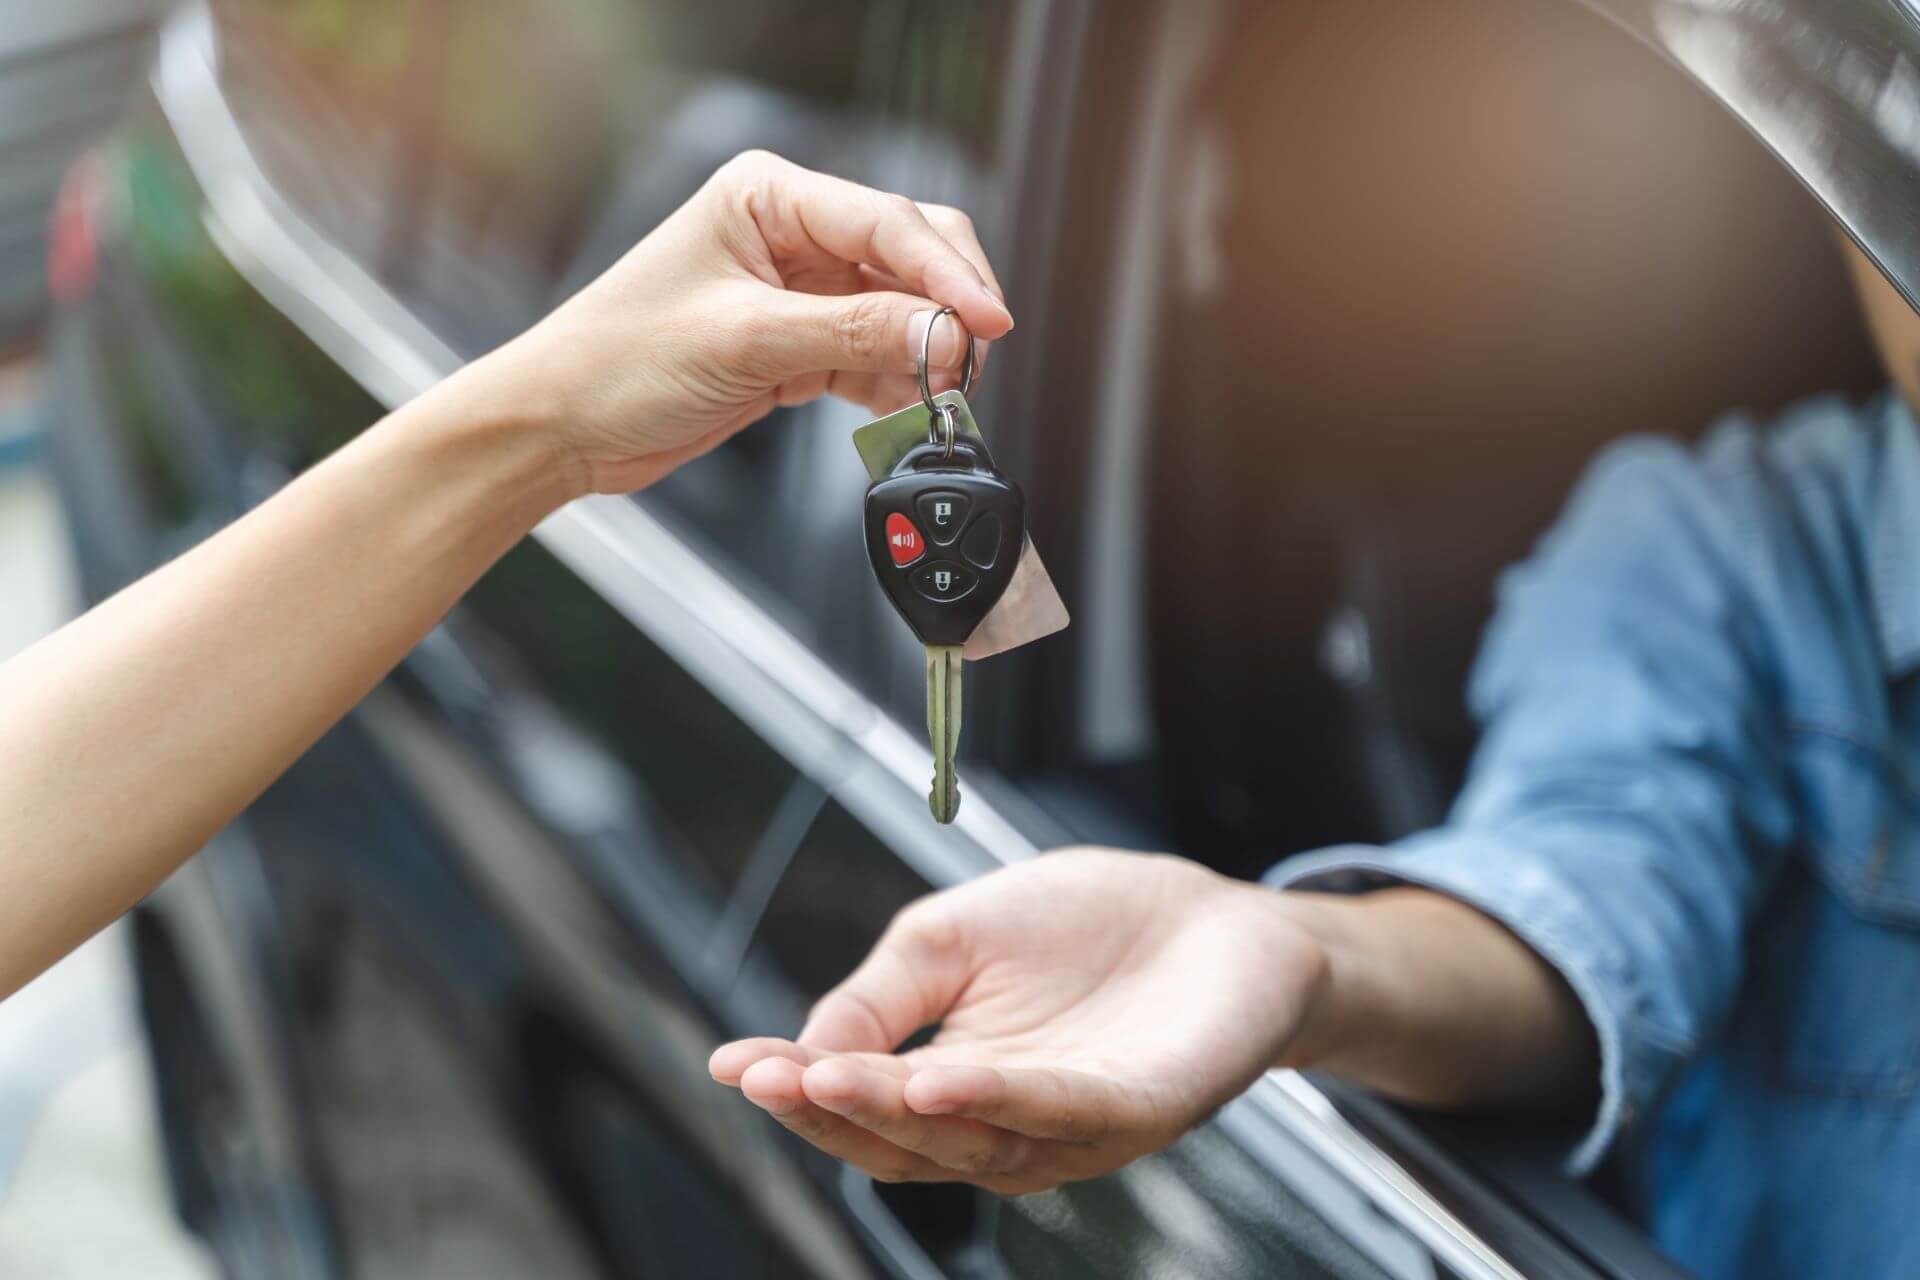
[(82, 1184), (1321, 309)]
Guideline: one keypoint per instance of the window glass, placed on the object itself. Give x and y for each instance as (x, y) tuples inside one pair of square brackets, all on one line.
[(487, 157), (273, 389), (327, 92), (914, 108), (605, 732), (1203, 1207), (481, 155), (565, 130), (689, 1222), (838, 894)]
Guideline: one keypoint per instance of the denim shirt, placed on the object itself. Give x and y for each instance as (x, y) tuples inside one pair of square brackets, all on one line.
[(1698, 797)]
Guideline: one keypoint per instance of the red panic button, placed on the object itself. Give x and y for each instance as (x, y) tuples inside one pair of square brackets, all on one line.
[(904, 542)]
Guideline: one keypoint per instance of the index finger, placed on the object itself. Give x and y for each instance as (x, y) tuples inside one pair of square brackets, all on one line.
[(1040, 1102), (956, 227), (858, 224)]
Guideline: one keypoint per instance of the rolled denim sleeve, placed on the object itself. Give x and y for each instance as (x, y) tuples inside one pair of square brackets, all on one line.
[(1625, 810)]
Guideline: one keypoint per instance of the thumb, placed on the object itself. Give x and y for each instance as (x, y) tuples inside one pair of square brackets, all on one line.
[(872, 332), (914, 975)]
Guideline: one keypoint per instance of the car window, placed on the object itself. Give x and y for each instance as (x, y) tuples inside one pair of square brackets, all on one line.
[(614, 740), (485, 160), (1346, 434), (271, 387), (918, 110), (840, 890), (564, 130), (1202, 1207), (328, 93)]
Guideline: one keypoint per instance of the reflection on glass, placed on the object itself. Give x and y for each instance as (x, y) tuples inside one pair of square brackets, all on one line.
[(626, 722), (326, 90), (843, 887), (278, 395), (1203, 1207)]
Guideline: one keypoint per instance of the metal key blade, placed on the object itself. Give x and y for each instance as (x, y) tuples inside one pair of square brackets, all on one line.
[(943, 728)]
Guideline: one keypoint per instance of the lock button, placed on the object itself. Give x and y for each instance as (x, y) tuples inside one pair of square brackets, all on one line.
[(944, 581), (942, 513)]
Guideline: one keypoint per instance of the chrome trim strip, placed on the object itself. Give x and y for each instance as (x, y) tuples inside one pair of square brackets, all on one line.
[(885, 1231), (1311, 1116), (327, 295), (733, 647), (1116, 718)]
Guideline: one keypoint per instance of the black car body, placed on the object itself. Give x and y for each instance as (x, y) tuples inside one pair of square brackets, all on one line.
[(441, 1003)]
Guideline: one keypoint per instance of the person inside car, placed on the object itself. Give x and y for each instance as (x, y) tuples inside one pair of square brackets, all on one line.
[(1680, 894), (136, 732)]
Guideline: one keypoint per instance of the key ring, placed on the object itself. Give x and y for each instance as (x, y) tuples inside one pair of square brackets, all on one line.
[(942, 424)]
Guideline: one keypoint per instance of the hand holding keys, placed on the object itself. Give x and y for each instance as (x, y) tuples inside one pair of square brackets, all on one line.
[(946, 534)]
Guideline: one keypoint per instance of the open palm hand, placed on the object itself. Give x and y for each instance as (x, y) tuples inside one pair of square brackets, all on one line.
[(1092, 1006)]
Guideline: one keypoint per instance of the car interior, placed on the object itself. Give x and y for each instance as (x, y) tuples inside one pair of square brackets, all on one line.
[(1426, 268), (1423, 266)]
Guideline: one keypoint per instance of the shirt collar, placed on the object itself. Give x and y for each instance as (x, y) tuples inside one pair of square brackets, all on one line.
[(1894, 531)]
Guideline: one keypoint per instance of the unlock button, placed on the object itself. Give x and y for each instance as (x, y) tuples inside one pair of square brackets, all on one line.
[(943, 581), (942, 512)]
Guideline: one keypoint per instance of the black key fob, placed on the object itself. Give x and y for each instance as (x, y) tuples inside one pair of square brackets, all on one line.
[(944, 533)]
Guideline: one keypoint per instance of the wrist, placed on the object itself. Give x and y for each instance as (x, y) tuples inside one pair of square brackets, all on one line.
[(1360, 1013), (1330, 958), (502, 416)]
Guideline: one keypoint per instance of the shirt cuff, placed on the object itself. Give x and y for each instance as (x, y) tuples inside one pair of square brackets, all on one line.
[(1525, 895)]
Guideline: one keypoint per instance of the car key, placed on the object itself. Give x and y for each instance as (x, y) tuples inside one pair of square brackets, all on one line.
[(944, 532)]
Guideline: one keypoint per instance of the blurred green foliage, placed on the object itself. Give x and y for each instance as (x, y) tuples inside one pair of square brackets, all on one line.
[(268, 381)]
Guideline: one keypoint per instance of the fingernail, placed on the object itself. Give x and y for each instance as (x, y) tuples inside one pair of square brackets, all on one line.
[(775, 1106), (943, 352), (938, 1107), (994, 304)]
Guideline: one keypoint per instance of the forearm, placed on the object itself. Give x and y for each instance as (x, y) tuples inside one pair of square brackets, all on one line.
[(1433, 1002), (133, 734)]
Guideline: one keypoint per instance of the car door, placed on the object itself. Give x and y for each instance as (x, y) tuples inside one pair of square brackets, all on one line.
[(666, 750), (500, 862)]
